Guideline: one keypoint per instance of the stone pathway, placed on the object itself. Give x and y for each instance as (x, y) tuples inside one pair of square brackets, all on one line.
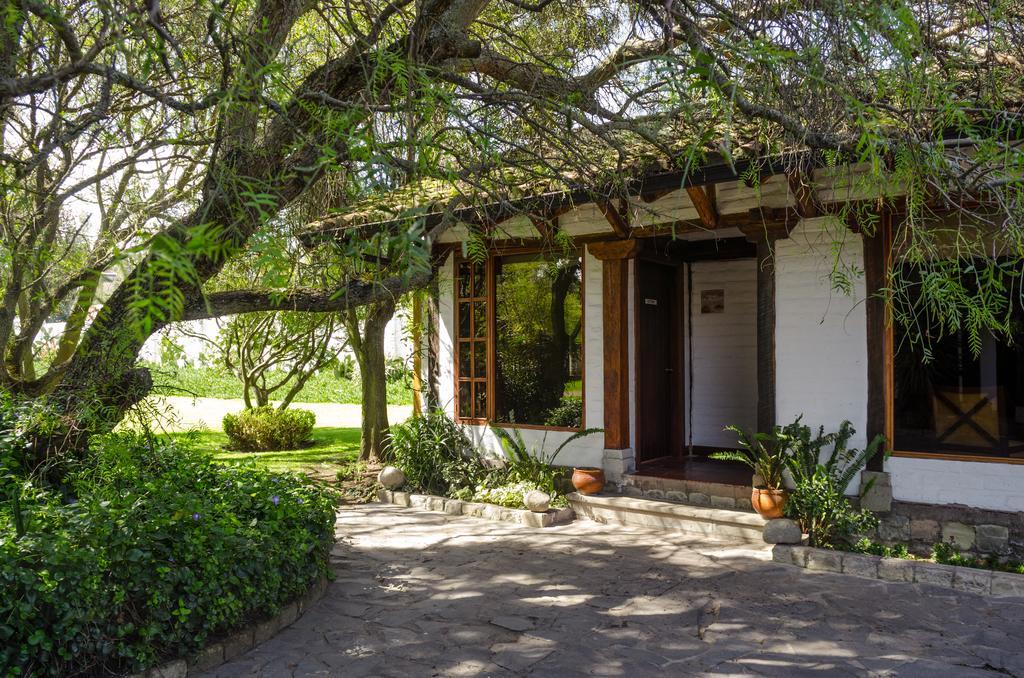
[(424, 594)]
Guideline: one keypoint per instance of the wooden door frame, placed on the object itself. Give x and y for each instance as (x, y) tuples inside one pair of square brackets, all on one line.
[(677, 432)]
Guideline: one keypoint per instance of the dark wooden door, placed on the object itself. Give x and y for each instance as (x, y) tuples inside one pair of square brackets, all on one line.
[(658, 374)]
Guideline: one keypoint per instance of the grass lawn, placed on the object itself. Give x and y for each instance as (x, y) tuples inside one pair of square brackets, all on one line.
[(216, 382), (332, 449)]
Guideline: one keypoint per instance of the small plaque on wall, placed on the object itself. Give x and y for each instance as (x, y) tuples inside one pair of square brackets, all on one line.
[(712, 301)]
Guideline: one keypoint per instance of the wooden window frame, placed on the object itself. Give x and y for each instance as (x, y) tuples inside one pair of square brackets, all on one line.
[(889, 373), (473, 340), (490, 340)]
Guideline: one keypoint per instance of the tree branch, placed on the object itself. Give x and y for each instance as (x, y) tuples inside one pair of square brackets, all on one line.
[(355, 294)]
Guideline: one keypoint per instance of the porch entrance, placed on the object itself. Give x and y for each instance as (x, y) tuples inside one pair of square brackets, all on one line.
[(658, 363), (679, 424)]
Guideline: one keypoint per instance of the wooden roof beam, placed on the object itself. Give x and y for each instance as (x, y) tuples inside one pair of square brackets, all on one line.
[(703, 200), (617, 217), (546, 227), (802, 187)]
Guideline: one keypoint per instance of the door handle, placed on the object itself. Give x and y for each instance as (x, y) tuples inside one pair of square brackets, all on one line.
[(669, 369)]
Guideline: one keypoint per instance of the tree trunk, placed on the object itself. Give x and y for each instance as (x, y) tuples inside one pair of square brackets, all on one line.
[(368, 346)]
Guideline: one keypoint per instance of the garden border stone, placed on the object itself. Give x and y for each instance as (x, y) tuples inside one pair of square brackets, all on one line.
[(239, 642), (970, 579), (457, 507)]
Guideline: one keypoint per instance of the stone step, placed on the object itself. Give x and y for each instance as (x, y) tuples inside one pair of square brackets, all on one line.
[(692, 492), (724, 524)]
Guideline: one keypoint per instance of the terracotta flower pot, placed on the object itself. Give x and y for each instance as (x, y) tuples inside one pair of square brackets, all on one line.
[(769, 503), (588, 480)]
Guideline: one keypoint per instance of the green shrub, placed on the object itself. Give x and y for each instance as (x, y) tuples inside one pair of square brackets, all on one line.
[(818, 502), (434, 454), (268, 428), (569, 413), (159, 549)]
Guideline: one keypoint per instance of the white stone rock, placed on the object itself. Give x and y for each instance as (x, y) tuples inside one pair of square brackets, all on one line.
[(537, 501), (391, 477), (782, 531)]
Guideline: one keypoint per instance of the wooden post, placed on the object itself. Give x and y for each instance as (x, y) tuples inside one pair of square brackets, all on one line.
[(615, 256), (765, 334), (616, 354), (879, 335), (417, 354)]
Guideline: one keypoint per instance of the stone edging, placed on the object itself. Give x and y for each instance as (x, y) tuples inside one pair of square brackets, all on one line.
[(970, 579), (457, 507), (240, 642)]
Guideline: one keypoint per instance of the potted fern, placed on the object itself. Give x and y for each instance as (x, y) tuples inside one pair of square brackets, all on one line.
[(767, 454)]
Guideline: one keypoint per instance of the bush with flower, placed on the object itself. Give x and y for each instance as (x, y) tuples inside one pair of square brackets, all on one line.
[(149, 551)]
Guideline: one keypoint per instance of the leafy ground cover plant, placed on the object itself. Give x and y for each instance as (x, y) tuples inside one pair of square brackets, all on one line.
[(947, 554), (942, 553), (435, 454), (151, 549), (818, 502), (267, 428), (523, 463)]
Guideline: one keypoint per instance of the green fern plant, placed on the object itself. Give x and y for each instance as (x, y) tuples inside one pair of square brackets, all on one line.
[(819, 502), (765, 453)]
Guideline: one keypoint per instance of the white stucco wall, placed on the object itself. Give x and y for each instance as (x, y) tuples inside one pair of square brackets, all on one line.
[(995, 486), (724, 353), (820, 333), (446, 336)]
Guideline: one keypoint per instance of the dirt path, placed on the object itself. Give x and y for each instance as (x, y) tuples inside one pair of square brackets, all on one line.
[(179, 413)]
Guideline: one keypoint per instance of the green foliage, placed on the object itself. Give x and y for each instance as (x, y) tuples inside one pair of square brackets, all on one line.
[(434, 454), (159, 550), (326, 386), (330, 448), (824, 512), (874, 548), (947, 554), (765, 453), (509, 494), (534, 465), (942, 553), (818, 502), (842, 464), (268, 428), (397, 371), (568, 413), (437, 458)]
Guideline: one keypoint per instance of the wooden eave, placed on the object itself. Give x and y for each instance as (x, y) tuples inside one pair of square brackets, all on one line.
[(546, 206)]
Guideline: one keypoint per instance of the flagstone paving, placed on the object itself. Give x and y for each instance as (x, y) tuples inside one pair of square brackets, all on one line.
[(425, 594)]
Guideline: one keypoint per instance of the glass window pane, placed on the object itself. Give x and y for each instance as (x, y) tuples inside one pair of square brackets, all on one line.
[(960, 399), (481, 399), (466, 399), (480, 360), (465, 359), (480, 319), (479, 281), (464, 319), (464, 279), (538, 316)]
